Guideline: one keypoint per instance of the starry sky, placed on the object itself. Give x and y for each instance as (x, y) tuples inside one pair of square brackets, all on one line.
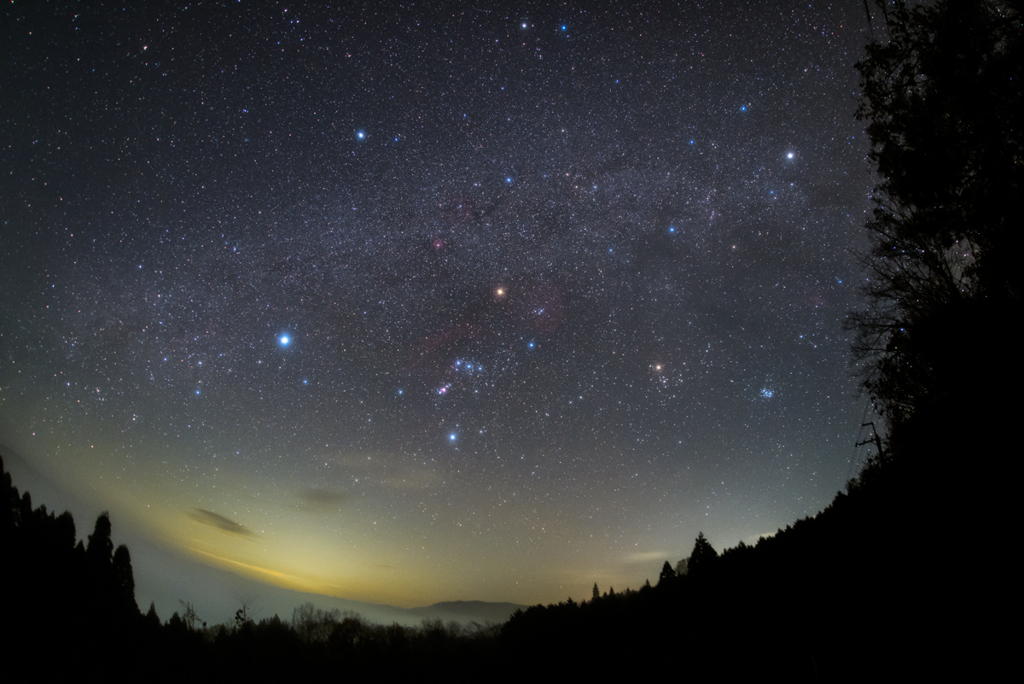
[(415, 302)]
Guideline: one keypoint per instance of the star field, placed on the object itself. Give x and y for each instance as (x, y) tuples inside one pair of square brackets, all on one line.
[(438, 301)]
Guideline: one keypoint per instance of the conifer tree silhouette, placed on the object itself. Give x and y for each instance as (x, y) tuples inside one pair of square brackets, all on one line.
[(703, 556), (667, 573)]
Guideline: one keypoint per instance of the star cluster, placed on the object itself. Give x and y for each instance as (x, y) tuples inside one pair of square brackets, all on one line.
[(440, 301)]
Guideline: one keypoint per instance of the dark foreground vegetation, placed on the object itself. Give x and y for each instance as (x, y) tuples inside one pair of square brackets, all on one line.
[(868, 586), (904, 576)]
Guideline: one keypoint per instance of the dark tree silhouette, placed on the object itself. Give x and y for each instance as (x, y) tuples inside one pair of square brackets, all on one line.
[(100, 550), (190, 619), (703, 556), (941, 95), (124, 579), (152, 619), (667, 573)]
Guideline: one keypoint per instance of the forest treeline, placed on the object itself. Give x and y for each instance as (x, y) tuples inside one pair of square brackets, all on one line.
[(839, 595)]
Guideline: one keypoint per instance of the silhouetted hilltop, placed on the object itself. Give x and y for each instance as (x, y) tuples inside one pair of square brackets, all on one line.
[(844, 594)]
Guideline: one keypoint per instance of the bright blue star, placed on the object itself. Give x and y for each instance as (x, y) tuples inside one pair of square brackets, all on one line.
[(284, 340), (743, 108), (452, 436), (564, 27), (360, 135), (530, 345), (508, 179), (672, 229)]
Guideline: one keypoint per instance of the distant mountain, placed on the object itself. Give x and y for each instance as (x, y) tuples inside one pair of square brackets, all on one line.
[(467, 611)]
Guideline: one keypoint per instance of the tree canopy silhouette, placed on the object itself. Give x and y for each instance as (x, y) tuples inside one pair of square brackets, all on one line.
[(941, 95), (703, 556), (667, 573)]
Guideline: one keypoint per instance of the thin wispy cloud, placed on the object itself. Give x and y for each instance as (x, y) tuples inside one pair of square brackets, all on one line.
[(220, 522), (322, 500)]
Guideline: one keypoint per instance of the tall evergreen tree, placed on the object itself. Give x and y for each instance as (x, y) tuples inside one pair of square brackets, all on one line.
[(100, 550), (667, 573), (703, 556), (124, 580)]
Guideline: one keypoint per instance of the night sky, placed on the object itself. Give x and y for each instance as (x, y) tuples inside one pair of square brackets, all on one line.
[(422, 302)]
